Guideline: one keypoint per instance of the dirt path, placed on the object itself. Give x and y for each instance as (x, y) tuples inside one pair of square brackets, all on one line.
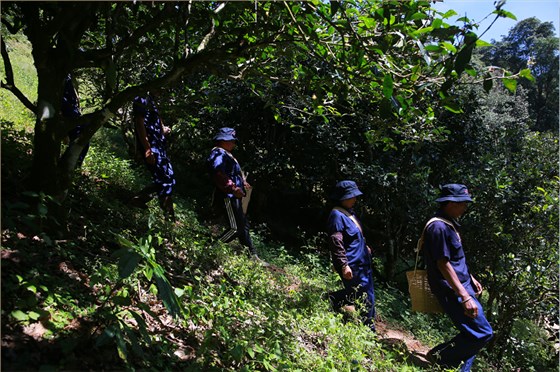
[(414, 351)]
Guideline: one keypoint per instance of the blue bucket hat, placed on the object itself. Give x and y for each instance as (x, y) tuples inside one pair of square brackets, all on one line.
[(454, 192), (345, 190), (225, 134)]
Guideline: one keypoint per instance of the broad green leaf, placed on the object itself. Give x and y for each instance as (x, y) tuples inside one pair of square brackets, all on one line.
[(128, 263), (388, 86), (452, 106), (19, 315), (510, 84), (422, 31), (449, 13), (166, 292), (505, 14), (526, 73), (471, 71), (448, 46), (121, 345), (416, 16), (33, 315), (463, 58), (433, 48)]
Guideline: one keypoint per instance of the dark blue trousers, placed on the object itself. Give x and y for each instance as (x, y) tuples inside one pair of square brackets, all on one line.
[(358, 291), (473, 335), (238, 226)]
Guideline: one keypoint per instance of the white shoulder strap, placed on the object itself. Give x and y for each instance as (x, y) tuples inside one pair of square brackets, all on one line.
[(420, 243), (434, 219)]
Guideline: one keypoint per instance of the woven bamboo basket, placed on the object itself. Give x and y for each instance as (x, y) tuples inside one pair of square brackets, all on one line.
[(423, 300)]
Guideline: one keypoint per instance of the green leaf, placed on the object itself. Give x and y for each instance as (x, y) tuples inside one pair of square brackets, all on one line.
[(510, 84), (166, 292), (148, 273), (179, 292), (526, 73), (449, 13), (123, 242), (388, 86), (505, 14), (33, 315), (433, 48), (422, 31), (128, 263), (448, 46), (416, 16), (471, 71), (463, 58), (452, 106), (19, 315), (121, 345), (482, 43)]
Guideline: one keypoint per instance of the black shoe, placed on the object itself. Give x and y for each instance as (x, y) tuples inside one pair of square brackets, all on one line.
[(432, 357)]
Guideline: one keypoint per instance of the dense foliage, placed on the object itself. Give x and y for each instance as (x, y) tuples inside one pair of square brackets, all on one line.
[(385, 93)]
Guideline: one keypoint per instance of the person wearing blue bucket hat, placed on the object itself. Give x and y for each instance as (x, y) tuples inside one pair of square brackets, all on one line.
[(351, 256), (451, 282), (230, 187)]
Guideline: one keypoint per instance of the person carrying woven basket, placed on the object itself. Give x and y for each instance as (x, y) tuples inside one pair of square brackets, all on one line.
[(451, 282), (350, 254)]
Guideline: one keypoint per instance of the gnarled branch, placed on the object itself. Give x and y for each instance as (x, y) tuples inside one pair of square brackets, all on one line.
[(10, 84)]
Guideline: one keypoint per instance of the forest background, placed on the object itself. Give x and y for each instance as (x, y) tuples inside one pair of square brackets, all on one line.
[(388, 94)]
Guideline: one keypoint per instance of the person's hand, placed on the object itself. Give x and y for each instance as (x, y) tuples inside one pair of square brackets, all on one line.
[(166, 130), (247, 185), (477, 286), (238, 193), (470, 307), (347, 272), (150, 158), (368, 249)]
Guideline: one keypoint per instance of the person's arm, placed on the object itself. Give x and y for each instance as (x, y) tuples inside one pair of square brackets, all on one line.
[(143, 137), (226, 184), (338, 254), (470, 307), (222, 181)]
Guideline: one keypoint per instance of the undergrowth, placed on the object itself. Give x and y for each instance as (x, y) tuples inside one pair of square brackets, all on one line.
[(126, 289)]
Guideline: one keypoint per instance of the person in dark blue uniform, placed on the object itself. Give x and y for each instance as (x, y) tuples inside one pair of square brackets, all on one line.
[(350, 254), (452, 283), (70, 108), (151, 140), (230, 186)]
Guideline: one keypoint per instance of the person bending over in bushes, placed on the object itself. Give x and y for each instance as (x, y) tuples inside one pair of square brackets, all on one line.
[(151, 141), (70, 108), (453, 285), (350, 254)]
